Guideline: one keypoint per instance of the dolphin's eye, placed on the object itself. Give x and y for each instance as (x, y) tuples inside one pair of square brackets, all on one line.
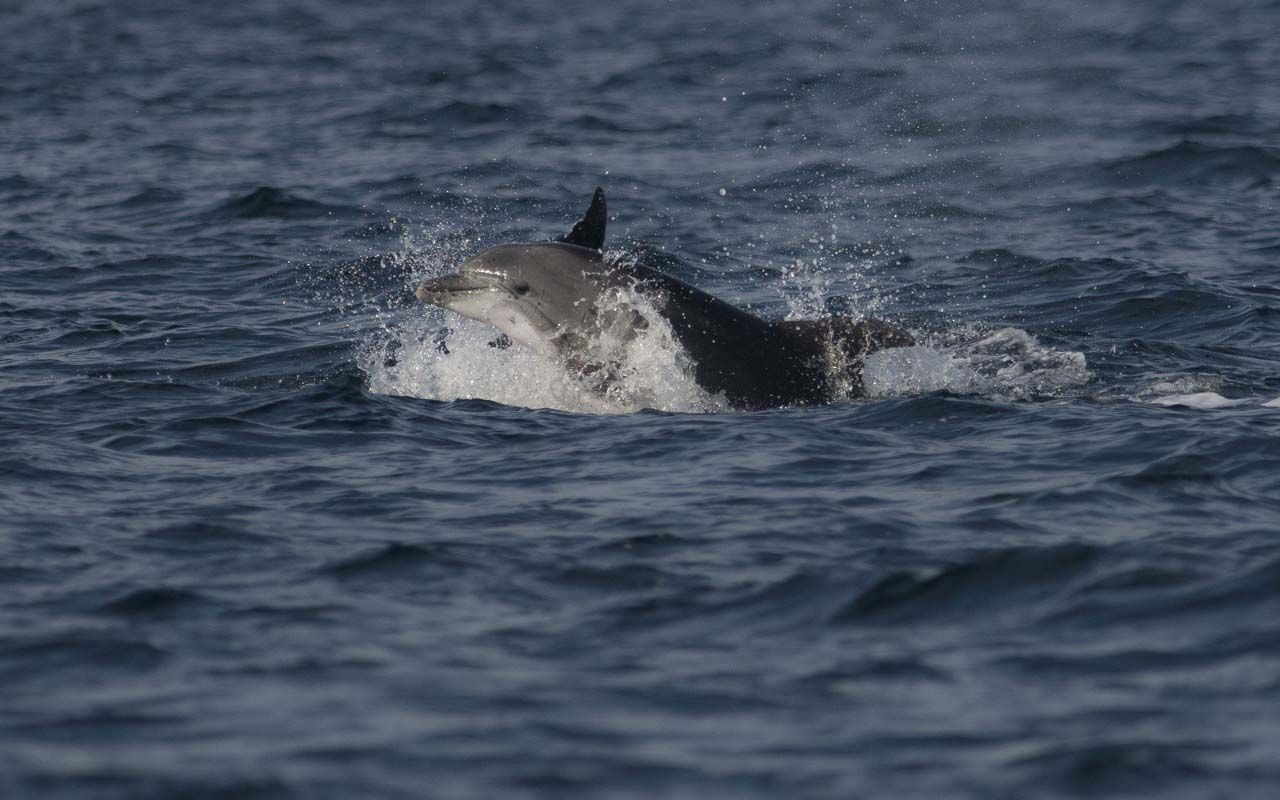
[(520, 288)]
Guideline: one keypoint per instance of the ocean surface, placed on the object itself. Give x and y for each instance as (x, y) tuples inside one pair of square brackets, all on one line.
[(271, 528)]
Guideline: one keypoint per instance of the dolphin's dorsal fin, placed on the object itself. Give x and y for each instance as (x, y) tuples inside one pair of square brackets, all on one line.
[(589, 232)]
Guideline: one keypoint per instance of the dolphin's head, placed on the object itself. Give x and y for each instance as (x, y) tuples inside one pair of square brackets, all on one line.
[(531, 292)]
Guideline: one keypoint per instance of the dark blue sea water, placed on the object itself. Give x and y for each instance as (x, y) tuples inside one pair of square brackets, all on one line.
[(261, 536)]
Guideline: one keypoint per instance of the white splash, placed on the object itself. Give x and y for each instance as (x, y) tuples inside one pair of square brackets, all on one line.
[(1008, 365), (437, 355), (1190, 390), (1204, 400), (1153, 388), (420, 358), (1198, 390), (1193, 390)]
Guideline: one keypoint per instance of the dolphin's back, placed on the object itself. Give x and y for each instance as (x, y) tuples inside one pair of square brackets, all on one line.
[(752, 362)]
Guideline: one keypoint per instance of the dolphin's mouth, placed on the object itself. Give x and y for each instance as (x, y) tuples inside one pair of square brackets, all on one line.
[(439, 290)]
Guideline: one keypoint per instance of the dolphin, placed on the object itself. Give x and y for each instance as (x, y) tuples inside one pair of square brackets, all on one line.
[(565, 299)]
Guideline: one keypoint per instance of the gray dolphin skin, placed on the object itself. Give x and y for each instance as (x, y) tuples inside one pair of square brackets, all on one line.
[(562, 298)]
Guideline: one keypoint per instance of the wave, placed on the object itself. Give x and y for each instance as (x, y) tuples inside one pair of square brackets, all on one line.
[(452, 117), (153, 602), (1025, 577), (1190, 162), (393, 560), (270, 202)]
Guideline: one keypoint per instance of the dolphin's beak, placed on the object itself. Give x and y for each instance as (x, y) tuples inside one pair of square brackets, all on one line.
[(438, 291)]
